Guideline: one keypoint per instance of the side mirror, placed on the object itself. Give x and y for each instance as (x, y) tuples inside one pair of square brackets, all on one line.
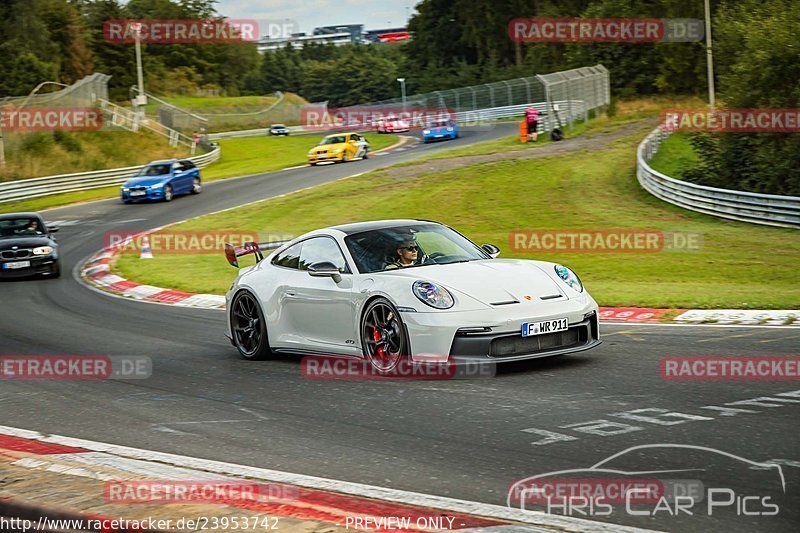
[(491, 249), (325, 269), (51, 229)]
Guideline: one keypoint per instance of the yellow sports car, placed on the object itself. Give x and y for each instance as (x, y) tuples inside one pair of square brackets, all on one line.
[(339, 147)]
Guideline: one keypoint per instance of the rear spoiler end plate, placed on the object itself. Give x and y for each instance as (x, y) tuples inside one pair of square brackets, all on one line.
[(233, 253)]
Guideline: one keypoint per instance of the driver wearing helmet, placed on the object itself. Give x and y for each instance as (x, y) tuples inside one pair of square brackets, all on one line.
[(407, 252)]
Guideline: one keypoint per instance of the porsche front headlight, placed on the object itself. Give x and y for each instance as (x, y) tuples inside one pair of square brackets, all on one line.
[(43, 250), (569, 277), (432, 294)]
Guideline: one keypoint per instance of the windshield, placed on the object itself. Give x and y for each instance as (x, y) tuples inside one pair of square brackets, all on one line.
[(410, 246), (24, 226), (279, 126), (333, 139), (439, 123), (155, 170)]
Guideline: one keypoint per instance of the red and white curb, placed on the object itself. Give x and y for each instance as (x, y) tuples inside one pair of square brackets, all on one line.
[(97, 271), (319, 499)]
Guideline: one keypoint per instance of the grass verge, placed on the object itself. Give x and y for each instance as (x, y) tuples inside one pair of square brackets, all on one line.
[(252, 155), (675, 156), (589, 190)]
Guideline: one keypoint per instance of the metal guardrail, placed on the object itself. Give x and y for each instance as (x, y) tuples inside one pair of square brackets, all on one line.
[(82, 181), (250, 133), (766, 209)]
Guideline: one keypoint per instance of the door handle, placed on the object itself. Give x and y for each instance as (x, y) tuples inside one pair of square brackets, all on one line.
[(291, 293)]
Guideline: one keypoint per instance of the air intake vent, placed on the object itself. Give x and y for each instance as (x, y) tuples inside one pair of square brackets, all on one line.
[(550, 297), (509, 302)]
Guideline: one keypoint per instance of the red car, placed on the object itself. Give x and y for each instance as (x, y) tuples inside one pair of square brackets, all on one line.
[(391, 125)]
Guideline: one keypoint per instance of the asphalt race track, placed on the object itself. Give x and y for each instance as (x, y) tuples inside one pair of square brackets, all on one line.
[(468, 439)]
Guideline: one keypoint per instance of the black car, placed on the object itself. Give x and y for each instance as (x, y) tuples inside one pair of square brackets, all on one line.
[(27, 246), (278, 129)]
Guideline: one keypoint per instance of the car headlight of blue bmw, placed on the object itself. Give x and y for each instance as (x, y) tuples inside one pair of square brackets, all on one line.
[(156, 186), (43, 250), (569, 277), (432, 294)]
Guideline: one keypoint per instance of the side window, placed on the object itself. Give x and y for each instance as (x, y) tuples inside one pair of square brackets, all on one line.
[(356, 137), (186, 165), (321, 249), (290, 257)]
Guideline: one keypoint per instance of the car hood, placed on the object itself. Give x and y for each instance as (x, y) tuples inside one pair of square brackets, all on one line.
[(490, 281), (6, 243), (145, 181), (438, 129), (327, 147)]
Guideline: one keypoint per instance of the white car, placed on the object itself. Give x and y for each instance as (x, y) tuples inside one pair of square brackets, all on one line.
[(345, 290)]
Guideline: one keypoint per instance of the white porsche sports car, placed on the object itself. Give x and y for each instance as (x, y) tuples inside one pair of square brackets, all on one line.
[(394, 289)]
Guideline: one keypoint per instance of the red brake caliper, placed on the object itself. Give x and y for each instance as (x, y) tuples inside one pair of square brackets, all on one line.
[(376, 336)]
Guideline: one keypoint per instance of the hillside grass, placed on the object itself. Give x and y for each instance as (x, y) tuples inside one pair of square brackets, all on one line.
[(589, 190)]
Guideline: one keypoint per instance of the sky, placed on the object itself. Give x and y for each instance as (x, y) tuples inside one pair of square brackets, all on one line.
[(309, 14)]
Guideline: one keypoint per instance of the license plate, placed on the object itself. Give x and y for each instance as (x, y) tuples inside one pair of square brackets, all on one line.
[(17, 264), (138, 193), (546, 326)]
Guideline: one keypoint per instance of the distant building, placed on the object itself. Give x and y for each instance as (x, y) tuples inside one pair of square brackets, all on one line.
[(300, 40), (356, 31), (336, 35)]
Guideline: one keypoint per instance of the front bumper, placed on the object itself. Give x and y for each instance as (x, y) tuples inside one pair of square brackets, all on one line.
[(319, 158), (438, 137), (456, 336), (39, 265), (149, 194)]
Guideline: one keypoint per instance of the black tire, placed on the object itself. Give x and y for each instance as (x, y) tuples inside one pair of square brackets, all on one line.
[(248, 328), (384, 338), (168, 194), (366, 153), (197, 185), (56, 273), (345, 157)]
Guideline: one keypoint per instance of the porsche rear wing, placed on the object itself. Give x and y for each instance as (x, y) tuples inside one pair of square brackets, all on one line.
[(232, 253)]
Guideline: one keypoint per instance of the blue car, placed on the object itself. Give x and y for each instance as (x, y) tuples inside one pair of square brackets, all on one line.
[(162, 180), (440, 130)]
